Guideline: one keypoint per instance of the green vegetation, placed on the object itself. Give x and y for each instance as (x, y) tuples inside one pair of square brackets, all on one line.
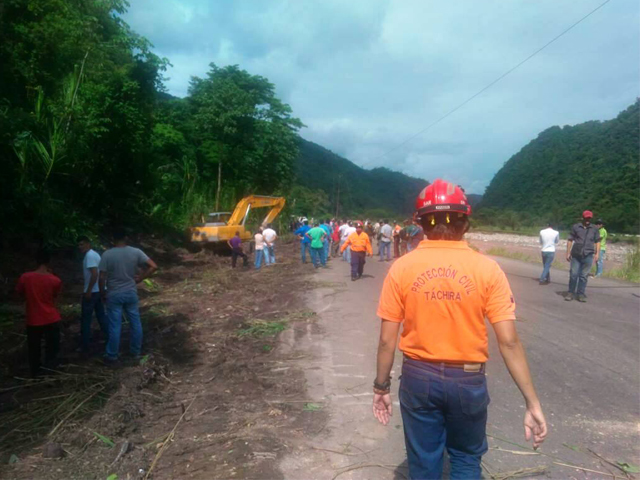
[(330, 185), (630, 272), (566, 170), (261, 328), (631, 269), (89, 139)]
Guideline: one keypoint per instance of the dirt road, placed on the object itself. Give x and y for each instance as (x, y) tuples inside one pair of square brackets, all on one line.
[(584, 359)]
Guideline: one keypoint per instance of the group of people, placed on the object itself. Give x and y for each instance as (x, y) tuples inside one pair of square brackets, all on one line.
[(264, 244), (352, 239), (440, 295), (586, 245), (109, 290)]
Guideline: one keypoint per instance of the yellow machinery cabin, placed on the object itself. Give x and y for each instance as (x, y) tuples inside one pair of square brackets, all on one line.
[(222, 226)]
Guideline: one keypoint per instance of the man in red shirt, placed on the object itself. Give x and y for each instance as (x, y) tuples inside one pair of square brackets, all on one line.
[(40, 289)]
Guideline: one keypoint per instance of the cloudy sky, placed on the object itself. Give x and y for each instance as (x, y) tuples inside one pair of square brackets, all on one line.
[(366, 75)]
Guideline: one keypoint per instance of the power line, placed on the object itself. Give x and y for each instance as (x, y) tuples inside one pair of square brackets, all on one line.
[(493, 82)]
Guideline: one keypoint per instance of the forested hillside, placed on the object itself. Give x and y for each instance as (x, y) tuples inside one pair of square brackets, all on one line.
[(343, 187), (593, 165), (90, 139)]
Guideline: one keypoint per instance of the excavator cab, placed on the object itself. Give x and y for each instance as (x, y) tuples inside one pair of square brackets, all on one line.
[(217, 219), (222, 226)]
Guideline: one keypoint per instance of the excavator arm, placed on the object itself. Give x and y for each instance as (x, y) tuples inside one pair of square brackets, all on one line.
[(244, 206)]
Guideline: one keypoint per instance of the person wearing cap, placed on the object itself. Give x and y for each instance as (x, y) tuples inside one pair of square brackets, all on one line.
[(603, 246), (583, 248), (360, 246), (440, 294)]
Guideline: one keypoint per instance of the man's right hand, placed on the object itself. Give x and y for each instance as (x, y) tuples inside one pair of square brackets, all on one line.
[(568, 257), (87, 295), (535, 426)]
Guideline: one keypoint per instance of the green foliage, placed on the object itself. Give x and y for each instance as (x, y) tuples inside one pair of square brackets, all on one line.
[(591, 166), (106, 440), (89, 139), (353, 191), (261, 328), (630, 271)]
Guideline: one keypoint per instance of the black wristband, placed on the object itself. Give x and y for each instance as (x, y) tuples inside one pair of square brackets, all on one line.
[(382, 386)]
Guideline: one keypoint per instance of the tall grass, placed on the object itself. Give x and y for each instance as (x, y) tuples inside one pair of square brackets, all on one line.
[(631, 269)]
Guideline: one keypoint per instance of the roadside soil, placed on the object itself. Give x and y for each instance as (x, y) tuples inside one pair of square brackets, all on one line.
[(529, 248), (212, 397)]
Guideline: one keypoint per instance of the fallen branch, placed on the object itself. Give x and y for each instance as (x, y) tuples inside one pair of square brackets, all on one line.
[(584, 469), (515, 452), (609, 462), (341, 453), (166, 443), (75, 409), (521, 472), (392, 468)]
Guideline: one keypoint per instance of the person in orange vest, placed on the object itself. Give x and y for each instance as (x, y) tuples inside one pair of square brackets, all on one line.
[(440, 294), (360, 245)]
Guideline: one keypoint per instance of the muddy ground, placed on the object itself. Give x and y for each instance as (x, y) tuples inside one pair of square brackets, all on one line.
[(212, 397)]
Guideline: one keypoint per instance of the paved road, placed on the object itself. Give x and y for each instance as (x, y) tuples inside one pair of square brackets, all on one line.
[(584, 358)]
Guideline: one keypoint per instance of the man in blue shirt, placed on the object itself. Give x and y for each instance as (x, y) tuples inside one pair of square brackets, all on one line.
[(305, 241)]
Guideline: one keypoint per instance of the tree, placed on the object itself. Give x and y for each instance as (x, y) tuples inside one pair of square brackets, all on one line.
[(243, 129)]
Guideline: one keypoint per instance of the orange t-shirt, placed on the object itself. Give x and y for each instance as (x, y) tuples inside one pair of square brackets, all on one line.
[(358, 243), (442, 291)]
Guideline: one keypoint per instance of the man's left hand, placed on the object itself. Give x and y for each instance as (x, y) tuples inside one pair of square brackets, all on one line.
[(595, 259), (382, 408)]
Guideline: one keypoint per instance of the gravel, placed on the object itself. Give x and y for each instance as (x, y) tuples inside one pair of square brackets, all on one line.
[(615, 251)]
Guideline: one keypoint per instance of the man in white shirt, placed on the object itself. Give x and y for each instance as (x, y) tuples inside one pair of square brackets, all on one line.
[(259, 243), (346, 255), (548, 240), (341, 230), (91, 301), (386, 237), (270, 236)]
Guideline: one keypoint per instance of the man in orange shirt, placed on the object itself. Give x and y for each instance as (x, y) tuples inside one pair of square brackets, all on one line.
[(441, 292), (360, 246)]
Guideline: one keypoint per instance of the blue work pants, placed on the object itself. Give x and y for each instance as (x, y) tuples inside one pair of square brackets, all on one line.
[(94, 304), (578, 276), (269, 255), (258, 259), (385, 247), (117, 303), (317, 257), (304, 248), (547, 260), (358, 259), (600, 263), (443, 407)]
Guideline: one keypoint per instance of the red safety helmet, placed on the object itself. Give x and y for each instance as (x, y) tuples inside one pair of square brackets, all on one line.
[(442, 196)]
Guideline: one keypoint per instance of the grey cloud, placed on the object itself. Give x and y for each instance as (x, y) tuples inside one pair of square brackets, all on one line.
[(365, 75)]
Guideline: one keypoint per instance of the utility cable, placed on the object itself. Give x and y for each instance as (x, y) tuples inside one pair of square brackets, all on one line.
[(493, 82)]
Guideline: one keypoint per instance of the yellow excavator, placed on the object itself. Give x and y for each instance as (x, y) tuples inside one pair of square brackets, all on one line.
[(222, 226)]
